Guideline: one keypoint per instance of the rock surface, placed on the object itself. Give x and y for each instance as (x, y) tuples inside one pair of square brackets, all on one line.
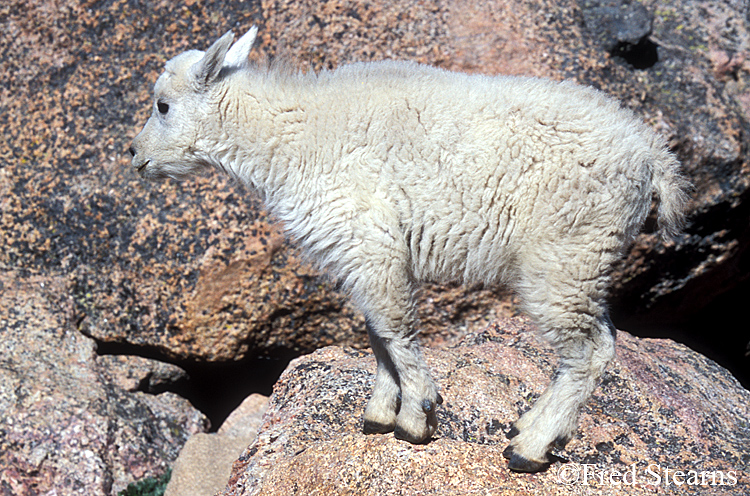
[(72, 422), (192, 271), (205, 462), (197, 271), (660, 408)]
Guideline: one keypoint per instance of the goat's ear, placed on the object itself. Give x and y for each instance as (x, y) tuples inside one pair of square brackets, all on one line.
[(206, 70), (237, 55)]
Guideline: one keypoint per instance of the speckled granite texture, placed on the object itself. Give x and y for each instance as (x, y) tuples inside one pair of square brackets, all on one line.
[(196, 271), (660, 407), (72, 422)]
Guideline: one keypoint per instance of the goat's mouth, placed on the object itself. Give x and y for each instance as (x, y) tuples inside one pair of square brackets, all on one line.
[(142, 167)]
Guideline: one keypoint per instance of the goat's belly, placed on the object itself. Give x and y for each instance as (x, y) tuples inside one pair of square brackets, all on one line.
[(462, 246)]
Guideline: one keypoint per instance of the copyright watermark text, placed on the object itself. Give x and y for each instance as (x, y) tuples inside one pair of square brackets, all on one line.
[(652, 475)]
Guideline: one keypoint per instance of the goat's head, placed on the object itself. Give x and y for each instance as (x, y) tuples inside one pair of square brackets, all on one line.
[(170, 143)]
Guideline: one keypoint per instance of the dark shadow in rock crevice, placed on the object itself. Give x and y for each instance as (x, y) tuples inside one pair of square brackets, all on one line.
[(642, 55), (214, 388)]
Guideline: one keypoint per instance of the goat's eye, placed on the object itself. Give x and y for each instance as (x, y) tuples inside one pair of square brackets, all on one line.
[(163, 107)]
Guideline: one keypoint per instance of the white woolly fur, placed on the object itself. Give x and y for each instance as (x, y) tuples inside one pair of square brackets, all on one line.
[(394, 173)]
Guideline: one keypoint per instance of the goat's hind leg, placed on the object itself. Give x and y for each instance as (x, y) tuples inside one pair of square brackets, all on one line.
[(567, 301), (584, 353)]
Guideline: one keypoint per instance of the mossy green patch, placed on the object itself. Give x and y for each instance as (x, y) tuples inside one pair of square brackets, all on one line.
[(152, 486)]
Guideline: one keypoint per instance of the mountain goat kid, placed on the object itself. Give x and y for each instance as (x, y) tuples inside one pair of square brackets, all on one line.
[(389, 174)]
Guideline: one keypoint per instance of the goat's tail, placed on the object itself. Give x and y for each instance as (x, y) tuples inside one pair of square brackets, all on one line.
[(673, 190)]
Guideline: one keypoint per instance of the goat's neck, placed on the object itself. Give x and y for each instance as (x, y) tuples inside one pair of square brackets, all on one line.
[(262, 138)]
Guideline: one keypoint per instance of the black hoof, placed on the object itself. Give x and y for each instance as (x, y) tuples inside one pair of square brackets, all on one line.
[(405, 436), (371, 427), (561, 441), (518, 463), (428, 406), (508, 452), (513, 432)]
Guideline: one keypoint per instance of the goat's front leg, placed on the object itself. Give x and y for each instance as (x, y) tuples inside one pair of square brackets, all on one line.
[(405, 396), (385, 402), (416, 421)]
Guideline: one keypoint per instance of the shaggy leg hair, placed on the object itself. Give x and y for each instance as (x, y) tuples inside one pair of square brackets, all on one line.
[(568, 305), (553, 418), (385, 402), (405, 396)]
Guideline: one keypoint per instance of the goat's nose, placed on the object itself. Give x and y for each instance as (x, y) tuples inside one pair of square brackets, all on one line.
[(132, 151)]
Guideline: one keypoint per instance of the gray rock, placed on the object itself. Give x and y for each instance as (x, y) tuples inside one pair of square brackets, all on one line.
[(661, 409), (67, 426), (205, 462), (618, 25), (197, 271)]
